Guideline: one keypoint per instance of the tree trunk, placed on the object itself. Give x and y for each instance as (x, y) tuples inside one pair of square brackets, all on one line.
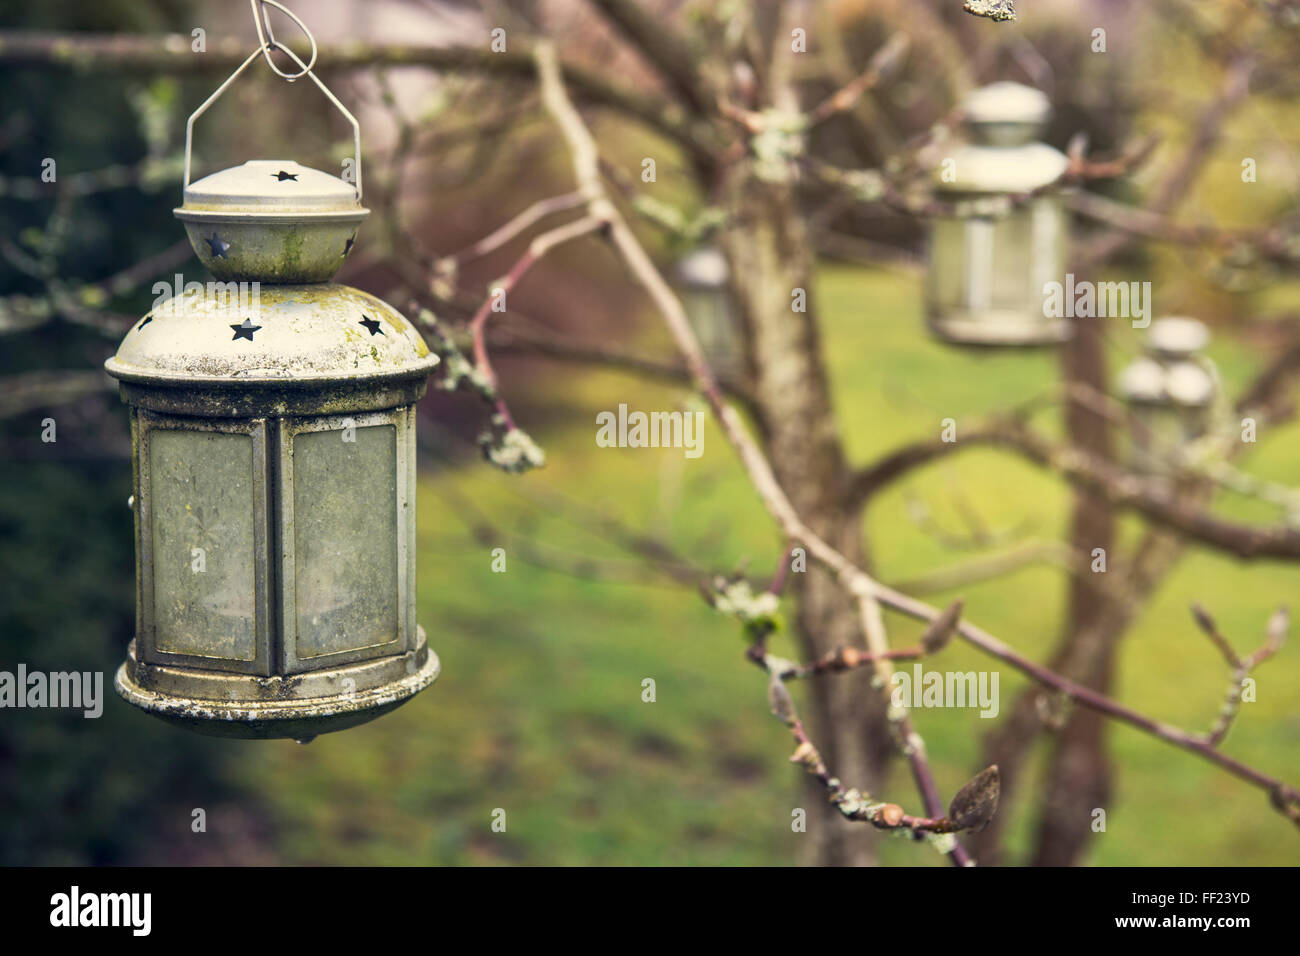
[(1079, 776), (767, 249)]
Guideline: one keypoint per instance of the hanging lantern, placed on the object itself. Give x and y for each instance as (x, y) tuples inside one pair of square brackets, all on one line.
[(1170, 393), (273, 424), (701, 278), (988, 265)]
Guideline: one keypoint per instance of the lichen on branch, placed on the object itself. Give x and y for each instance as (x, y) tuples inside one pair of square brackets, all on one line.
[(503, 444)]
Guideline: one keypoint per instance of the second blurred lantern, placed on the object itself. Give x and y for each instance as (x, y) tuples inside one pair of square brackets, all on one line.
[(701, 278), (1170, 393)]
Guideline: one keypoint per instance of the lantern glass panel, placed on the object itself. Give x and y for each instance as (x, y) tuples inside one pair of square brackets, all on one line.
[(345, 539), (347, 517), (204, 544), (709, 312), (1014, 263), (986, 265), (947, 275)]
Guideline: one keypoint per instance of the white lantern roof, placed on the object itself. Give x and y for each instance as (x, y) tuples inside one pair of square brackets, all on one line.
[(1188, 383), (1007, 170), (1143, 381), (1002, 120), (272, 221), (703, 268), (1177, 336), (291, 335), (277, 189), (1007, 102)]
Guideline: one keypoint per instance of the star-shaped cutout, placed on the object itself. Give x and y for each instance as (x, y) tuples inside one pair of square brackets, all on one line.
[(282, 176), (218, 246), (244, 331), (147, 320), (372, 325)]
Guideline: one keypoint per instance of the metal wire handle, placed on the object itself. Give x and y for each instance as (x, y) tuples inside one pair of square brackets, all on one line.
[(266, 37), (267, 43)]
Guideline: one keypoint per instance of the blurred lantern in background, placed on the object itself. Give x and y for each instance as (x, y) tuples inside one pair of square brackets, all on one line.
[(273, 423), (702, 282), (1170, 393), (988, 264)]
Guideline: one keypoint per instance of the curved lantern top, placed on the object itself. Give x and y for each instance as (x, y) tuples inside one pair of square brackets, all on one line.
[(703, 268), (1007, 108), (1143, 381), (272, 221), (271, 189), (1177, 337), (1003, 120), (288, 335)]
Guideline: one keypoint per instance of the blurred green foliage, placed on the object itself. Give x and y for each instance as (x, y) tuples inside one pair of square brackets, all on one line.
[(113, 790)]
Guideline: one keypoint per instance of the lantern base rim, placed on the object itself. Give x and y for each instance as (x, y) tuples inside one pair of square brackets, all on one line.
[(298, 719), (994, 329)]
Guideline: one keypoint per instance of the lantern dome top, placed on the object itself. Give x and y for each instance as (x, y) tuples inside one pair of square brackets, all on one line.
[(1177, 336), (985, 169), (1143, 381), (1007, 102), (1002, 121), (272, 221), (704, 268), (282, 335), (276, 189), (1187, 383)]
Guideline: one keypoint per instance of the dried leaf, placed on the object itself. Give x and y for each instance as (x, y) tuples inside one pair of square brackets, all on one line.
[(1278, 626), (1204, 621), (974, 804), (939, 632), (778, 698)]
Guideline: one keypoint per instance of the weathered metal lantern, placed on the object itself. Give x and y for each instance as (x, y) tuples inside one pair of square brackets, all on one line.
[(273, 421), (989, 263), (1170, 393), (702, 282)]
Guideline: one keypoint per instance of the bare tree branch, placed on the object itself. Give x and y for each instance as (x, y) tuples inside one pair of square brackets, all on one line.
[(666, 51), (171, 53)]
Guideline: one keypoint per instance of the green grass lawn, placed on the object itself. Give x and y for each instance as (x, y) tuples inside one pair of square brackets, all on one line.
[(539, 709)]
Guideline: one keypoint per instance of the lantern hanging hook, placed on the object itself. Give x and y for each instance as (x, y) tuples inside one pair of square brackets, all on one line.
[(267, 43), (266, 37)]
